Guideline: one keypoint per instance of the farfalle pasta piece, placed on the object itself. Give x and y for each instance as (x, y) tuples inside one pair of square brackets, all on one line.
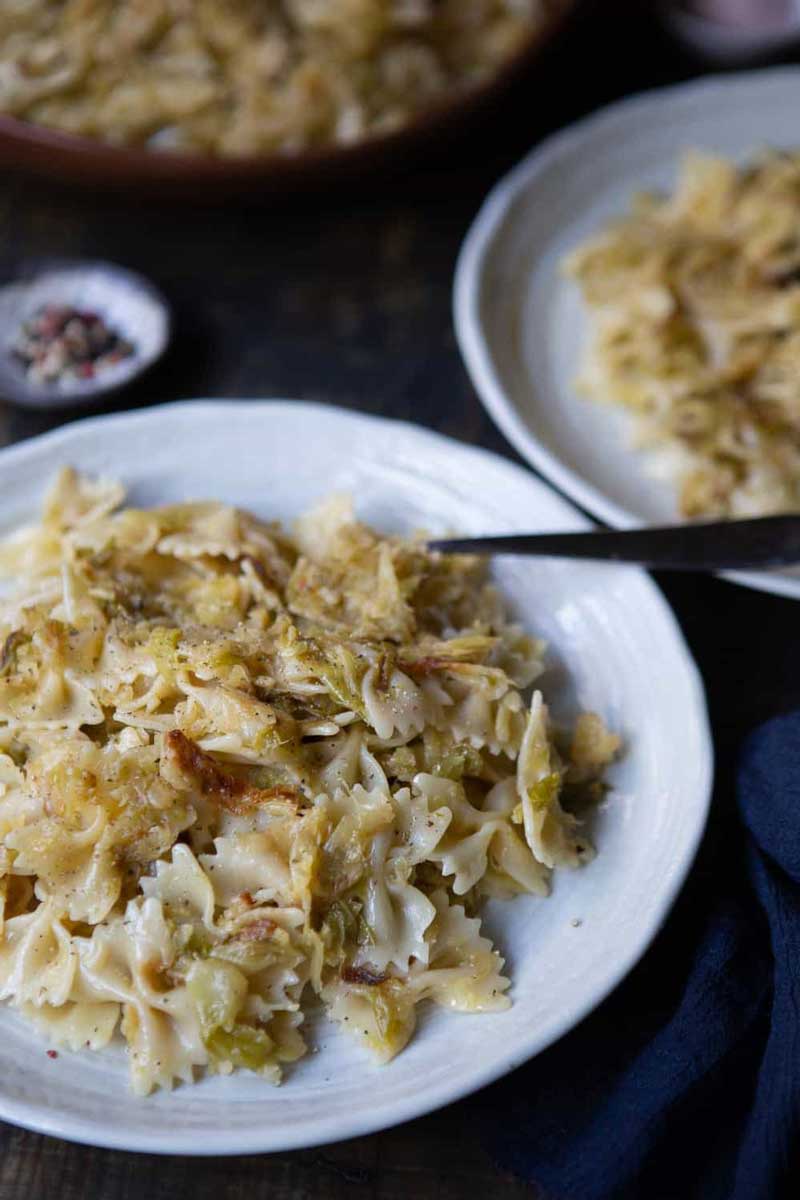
[(75, 499), (255, 863), (464, 971), (380, 1013), (477, 840), (394, 706), (184, 889), (74, 1025), (396, 913), (39, 688), (551, 833), (38, 959), (127, 961), (77, 869)]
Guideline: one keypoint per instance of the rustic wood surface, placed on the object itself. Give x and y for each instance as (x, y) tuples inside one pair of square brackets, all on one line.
[(345, 297), (437, 1156)]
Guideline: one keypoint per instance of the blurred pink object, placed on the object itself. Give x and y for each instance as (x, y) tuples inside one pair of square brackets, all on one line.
[(734, 31), (756, 14)]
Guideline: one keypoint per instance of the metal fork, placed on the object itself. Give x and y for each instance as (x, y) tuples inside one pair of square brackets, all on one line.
[(714, 546)]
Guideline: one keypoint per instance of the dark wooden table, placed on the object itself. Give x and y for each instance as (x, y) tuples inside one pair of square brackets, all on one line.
[(345, 297)]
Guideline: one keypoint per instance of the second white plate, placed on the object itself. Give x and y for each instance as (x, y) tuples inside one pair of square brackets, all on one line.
[(520, 323)]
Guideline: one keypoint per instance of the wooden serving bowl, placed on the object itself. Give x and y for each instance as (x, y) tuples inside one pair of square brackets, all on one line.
[(82, 160)]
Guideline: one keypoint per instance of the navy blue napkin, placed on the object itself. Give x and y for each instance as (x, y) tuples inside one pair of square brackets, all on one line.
[(686, 1081)]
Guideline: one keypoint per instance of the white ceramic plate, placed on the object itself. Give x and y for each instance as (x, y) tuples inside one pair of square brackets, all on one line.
[(612, 637), (521, 324)]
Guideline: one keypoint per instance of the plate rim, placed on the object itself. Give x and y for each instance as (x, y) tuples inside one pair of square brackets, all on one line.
[(475, 251), (76, 1128)]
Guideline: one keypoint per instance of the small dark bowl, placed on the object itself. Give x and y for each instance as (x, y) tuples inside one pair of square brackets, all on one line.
[(72, 159)]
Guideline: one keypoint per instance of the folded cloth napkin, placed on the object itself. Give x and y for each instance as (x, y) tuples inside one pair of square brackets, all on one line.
[(686, 1081)]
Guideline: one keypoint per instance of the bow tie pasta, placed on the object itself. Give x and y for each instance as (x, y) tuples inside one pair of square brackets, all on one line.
[(239, 768), (251, 77)]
